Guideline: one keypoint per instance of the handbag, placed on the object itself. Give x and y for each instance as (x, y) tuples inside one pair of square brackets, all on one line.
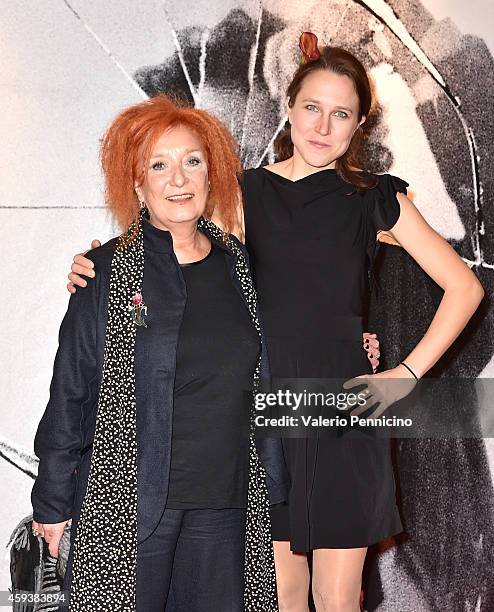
[(34, 571)]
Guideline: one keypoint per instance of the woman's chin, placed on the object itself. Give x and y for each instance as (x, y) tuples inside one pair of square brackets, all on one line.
[(179, 216), (317, 159), (319, 162)]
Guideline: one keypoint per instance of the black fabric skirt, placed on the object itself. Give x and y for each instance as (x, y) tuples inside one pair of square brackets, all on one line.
[(342, 491)]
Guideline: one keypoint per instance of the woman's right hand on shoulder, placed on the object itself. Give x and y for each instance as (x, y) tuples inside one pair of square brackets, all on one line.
[(81, 266)]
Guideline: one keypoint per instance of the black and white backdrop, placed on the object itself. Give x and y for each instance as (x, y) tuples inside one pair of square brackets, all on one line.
[(68, 66)]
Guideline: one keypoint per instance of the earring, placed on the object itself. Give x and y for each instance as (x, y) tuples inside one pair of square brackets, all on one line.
[(143, 210)]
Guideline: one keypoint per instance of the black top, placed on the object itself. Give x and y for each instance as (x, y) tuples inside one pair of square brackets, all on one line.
[(217, 353), (310, 242)]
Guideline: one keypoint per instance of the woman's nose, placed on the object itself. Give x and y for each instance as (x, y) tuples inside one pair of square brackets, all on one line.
[(178, 176), (323, 127)]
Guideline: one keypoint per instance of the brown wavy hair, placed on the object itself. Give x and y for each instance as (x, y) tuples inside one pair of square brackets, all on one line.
[(127, 145), (343, 62)]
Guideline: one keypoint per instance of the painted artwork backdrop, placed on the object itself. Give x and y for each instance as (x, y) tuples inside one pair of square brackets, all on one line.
[(68, 66)]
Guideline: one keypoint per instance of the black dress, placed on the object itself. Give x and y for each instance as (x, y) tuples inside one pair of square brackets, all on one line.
[(310, 243)]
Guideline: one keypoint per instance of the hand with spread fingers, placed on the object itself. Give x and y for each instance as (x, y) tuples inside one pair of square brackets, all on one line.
[(379, 393)]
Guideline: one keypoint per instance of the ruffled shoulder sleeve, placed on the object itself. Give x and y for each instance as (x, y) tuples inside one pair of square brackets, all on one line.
[(386, 208)]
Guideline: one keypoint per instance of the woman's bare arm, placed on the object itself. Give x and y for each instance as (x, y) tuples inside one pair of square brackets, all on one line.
[(462, 290)]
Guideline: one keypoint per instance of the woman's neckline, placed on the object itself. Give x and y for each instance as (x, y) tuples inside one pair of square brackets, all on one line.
[(199, 261), (303, 178)]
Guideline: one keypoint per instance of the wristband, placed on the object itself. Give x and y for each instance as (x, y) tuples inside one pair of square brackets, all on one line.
[(409, 369)]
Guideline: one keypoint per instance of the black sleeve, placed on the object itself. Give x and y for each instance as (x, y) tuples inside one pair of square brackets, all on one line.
[(386, 209), (272, 458), (58, 441)]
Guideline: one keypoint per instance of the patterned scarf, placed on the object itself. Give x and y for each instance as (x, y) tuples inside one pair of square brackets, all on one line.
[(105, 547)]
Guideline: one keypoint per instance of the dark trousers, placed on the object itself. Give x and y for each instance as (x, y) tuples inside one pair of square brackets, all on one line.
[(193, 562)]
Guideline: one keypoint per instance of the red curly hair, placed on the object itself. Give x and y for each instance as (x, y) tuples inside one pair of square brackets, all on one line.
[(127, 145)]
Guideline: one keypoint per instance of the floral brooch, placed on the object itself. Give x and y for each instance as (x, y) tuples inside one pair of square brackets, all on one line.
[(139, 309)]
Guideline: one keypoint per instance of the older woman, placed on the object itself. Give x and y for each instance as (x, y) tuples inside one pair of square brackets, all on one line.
[(145, 443)]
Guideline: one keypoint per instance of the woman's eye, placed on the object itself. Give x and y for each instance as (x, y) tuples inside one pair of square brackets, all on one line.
[(194, 161), (158, 165), (341, 114), (311, 107)]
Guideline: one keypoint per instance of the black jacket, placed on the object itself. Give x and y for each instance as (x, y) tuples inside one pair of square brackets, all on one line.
[(65, 434)]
